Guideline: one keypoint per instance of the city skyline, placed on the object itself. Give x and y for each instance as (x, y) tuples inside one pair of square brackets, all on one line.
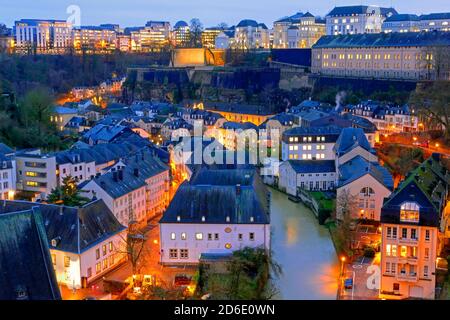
[(142, 11)]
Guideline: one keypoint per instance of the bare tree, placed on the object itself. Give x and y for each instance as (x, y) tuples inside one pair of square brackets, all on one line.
[(133, 246), (196, 29), (346, 206), (432, 102), (436, 61)]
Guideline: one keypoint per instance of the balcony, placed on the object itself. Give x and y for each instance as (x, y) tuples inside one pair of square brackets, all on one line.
[(408, 277), (408, 240)]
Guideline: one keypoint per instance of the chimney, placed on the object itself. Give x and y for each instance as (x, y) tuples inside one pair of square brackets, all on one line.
[(121, 174), (115, 176), (61, 210), (136, 172)]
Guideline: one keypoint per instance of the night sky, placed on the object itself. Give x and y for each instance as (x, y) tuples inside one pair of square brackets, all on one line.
[(211, 13)]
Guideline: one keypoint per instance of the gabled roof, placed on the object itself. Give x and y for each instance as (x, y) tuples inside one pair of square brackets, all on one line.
[(74, 229), (351, 138), (431, 177), (216, 195), (312, 166), (5, 150), (26, 269), (358, 167), (118, 184)]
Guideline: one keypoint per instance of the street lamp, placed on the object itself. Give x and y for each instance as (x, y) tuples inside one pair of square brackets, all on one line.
[(342, 265)]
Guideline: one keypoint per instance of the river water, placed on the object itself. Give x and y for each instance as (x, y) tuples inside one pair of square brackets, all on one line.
[(304, 250)]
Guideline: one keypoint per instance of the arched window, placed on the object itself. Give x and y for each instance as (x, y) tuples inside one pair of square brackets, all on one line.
[(367, 191), (409, 212)]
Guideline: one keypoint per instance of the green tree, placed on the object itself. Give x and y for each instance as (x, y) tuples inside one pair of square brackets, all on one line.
[(36, 109), (67, 194)]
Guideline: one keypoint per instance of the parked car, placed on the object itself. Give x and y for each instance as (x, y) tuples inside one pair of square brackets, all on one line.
[(182, 280)]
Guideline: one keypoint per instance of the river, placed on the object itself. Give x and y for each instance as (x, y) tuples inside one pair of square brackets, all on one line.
[(304, 250)]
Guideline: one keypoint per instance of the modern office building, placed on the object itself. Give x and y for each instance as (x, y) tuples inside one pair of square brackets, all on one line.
[(43, 36)]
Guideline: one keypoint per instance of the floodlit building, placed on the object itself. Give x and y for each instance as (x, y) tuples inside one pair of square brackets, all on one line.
[(94, 39), (300, 30), (217, 212), (401, 23), (413, 221), (209, 36), (153, 37), (414, 23), (357, 19), (435, 21), (250, 34), (135, 190), (85, 243), (387, 118), (181, 34), (43, 36), (309, 143), (312, 175), (402, 56)]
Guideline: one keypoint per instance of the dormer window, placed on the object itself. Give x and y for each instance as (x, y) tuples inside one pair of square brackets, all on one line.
[(409, 212)]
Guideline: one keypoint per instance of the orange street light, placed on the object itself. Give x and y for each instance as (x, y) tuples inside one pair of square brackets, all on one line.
[(155, 241), (436, 145), (343, 259), (415, 138)]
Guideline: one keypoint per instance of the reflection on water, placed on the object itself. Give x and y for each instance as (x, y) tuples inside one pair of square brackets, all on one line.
[(304, 250)]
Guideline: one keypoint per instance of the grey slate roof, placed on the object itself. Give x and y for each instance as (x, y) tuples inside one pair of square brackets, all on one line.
[(147, 166), (5, 150), (76, 229), (328, 130), (349, 139), (358, 167), (436, 16), (353, 10), (313, 166), (26, 270), (220, 199), (393, 39), (402, 17)]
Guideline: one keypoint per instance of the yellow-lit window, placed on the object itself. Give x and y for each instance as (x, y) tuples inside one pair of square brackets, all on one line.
[(66, 261), (32, 183), (409, 212), (31, 174), (403, 251)]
